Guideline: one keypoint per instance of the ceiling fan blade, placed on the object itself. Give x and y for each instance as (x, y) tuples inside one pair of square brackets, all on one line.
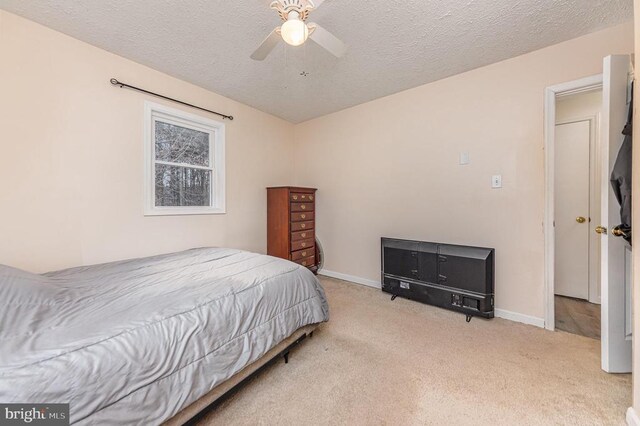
[(317, 3), (267, 46), (327, 40)]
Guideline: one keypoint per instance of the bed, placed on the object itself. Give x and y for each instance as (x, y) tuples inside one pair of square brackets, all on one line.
[(150, 340)]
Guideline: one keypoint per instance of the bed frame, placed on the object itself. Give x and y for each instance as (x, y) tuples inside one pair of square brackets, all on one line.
[(197, 410)]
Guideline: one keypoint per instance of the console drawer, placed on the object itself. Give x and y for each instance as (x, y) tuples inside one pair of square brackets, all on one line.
[(301, 254), (298, 197), (307, 261), (301, 226), (301, 207), (301, 235), (302, 216), (303, 244)]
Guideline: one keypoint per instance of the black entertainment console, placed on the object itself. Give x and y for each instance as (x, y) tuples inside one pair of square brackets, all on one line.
[(460, 278)]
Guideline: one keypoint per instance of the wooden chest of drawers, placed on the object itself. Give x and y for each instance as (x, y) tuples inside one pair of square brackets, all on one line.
[(291, 224)]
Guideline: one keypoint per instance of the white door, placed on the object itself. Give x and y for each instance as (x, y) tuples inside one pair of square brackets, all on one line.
[(616, 303), (572, 209)]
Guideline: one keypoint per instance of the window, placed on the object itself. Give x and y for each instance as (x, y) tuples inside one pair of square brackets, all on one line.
[(184, 156)]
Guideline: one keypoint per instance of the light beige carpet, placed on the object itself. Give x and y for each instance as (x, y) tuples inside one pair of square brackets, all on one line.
[(405, 363)]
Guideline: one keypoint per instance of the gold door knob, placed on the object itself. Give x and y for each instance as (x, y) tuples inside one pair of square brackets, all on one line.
[(618, 232), (601, 229), (581, 219)]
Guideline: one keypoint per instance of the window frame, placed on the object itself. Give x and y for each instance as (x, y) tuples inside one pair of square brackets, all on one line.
[(156, 112)]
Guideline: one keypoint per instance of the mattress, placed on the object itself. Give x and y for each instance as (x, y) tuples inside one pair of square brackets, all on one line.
[(134, 342)]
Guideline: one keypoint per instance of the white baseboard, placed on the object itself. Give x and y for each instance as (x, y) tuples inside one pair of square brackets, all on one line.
[(351, 278), (517, 317), (500, 313), (632, 417)]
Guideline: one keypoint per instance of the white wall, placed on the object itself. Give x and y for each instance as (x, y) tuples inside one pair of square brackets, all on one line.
[(71, 162), (390, 167)]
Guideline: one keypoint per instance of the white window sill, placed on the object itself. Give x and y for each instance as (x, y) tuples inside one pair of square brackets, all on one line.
[(182, 211)]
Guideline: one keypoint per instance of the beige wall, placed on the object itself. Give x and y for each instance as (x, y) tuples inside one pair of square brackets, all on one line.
[(390, 167), (71, 162)]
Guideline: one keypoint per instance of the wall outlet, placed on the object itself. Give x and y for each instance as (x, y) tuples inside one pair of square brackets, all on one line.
[(496, 181), (464, 158)]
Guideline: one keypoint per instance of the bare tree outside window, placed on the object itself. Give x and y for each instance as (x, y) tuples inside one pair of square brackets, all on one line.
[(184, 163), (182, 166)]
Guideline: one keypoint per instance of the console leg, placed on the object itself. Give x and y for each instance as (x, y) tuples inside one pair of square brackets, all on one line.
[(394, 297), (286, 358), (469, 318)]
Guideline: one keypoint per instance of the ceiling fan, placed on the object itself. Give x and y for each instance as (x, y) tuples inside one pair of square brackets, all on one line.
[(295, 30)]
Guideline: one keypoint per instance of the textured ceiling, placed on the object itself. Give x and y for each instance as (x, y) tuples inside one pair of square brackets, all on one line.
[(393, 44)]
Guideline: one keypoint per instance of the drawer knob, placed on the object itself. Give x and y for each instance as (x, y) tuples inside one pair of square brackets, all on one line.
[(304, 254), (310, 197), (303, 244), (304, 263), (304, 225), (295, 197), (303, 216), (303, 235), (303, 207)]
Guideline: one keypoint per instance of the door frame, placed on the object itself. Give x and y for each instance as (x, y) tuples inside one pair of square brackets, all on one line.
[(550, 95)]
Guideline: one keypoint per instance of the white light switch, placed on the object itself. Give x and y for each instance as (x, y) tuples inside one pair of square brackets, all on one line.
[(496, 181), (464, 158)]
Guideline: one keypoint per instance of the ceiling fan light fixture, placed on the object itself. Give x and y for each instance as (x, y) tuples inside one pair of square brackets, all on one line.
[(294, 31)]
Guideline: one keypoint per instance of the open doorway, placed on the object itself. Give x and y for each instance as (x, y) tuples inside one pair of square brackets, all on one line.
[(611, 229), (576, 213)]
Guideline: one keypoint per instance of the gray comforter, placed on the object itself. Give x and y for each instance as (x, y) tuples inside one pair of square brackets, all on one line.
[(134, 342)]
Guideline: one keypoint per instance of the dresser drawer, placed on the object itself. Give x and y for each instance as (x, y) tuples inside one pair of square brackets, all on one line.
[(301, 198), (301, 226), (301, 254), (298, 217), (302, 244), (301, 235), (307, 261), (301, 207)]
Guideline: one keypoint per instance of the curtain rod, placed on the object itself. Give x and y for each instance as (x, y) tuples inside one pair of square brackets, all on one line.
[(128, 86)]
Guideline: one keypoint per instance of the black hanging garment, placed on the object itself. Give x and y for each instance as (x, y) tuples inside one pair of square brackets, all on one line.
[(621, 176)]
